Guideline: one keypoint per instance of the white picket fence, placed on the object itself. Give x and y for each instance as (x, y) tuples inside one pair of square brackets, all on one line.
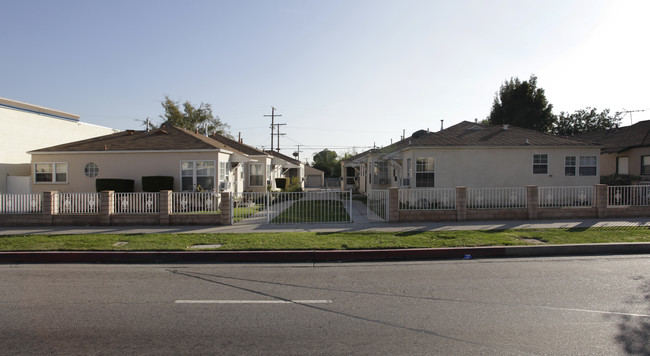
[(78, 203), (136, 203), (377, 205), (496, 198), (21, 203), (561, 197), (629, 195), (427, 199), (195, 202)]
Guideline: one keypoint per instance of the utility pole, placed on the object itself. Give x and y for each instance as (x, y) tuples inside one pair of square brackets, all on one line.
[(273, 127)]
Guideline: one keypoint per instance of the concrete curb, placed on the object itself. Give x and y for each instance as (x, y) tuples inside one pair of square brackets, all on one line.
[(149, 257)]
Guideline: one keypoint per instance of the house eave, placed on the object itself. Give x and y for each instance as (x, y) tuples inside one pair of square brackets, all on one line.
[(217, 150)]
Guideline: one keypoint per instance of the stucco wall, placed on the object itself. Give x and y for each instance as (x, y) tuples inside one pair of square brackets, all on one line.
[(608, 161), (24, 131), (120, 165), (500, 167)]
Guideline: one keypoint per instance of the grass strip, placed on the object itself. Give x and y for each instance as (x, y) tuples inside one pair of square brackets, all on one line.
[(319, 240)]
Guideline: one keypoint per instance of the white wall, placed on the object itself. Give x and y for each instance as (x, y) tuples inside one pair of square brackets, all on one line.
[(24, 131)]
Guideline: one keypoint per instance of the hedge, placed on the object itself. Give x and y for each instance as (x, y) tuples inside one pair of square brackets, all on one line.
[(157, 183), (114, 184)]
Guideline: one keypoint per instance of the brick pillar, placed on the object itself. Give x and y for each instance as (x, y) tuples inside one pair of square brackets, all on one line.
[(461, 203), (601, 200), (226, 208), (532, 200), (50, 206), (393, 204), (106, 210), (165, 201)]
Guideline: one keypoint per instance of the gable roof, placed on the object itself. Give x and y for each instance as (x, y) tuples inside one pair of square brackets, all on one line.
[(469, 134), (239, 146), (166, 138), (283, 157), (622, 138)]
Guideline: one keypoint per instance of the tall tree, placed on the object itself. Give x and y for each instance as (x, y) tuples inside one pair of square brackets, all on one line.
[(522, 104), (585, 120), (193, 117), (327, 161)]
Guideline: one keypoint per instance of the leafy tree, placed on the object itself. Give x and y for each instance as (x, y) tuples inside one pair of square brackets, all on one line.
[(522, 104), (193, 117), (585, 120), (327, 161)]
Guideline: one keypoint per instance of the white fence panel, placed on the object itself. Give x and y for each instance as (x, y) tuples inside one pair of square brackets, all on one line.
[(136, 203), (21, 203), (78, 203), (559, 197), (195, 202), (629, 195), (496, 198), (377, 205), (248, 205), (427, 199)]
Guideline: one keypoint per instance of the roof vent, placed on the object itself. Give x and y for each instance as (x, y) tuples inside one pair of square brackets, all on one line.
[(527, 142), (505, 127)]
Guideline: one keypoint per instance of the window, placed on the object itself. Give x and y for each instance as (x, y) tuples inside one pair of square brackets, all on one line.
[(588, 165), (645, 164), (91, 170), (406, 181), (223, 171), (257, 175), (424, 172), (381, 172), (195, 174), (51, 172), (570, 165), (540, 164)]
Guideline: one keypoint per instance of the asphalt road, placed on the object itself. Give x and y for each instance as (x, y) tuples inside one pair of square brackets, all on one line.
[(557, 306)]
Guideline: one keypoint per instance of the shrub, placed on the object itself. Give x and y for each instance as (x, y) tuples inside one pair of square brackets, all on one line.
[(115, 184), (157, 183)]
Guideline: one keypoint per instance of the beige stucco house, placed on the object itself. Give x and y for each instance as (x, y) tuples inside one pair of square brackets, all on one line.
[(478, 156), (27, 127), (626, 150), (196, 162)]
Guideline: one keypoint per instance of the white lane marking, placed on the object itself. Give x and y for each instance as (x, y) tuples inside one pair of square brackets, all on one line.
[(297, 301)]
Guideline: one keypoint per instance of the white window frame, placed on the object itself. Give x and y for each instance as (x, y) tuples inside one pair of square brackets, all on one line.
[(573, 166), (53, 172), (380, 171), (195, 176), (583, 164), (428, 161), (261, 174), (539, 163), (643, 165), (406, 181)]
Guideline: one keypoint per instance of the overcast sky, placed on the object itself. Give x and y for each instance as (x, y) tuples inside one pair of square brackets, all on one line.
[(344, 74)]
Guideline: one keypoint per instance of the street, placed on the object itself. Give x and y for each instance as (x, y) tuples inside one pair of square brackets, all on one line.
[(559, 306)]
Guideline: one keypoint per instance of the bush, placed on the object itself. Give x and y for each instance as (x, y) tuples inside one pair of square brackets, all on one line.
[(115, 184), (157, 183), (619, 179), (294, 185)]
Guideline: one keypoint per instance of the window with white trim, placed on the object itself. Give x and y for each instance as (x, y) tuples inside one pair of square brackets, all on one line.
[(424, 172), (588, 165), (223, 175), (257, 174), (645, 164), (540, 164), (406, 181), (198, 174), (381, 172), (51, 172), (570, 166)]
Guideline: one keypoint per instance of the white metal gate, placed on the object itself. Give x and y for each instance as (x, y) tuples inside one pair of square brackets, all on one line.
[(377, 205), (292, 208)]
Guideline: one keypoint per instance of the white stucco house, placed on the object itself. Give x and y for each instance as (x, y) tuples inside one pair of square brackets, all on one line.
[(27, 127), (475, 155), (195, 161)]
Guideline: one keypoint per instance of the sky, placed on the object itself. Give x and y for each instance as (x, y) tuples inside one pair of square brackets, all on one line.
[(345, 75)]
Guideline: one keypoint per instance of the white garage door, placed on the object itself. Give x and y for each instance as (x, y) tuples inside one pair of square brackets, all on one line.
[(314, 181)]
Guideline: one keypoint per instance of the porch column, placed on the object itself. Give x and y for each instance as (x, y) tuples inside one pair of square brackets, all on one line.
[(226, 208), (107, 207), (50, 206), (461, 203), (532, 201), (601, 200), (165, 202), (393, 204)]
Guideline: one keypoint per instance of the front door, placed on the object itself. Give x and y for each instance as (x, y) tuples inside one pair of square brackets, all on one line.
[(622, 165)]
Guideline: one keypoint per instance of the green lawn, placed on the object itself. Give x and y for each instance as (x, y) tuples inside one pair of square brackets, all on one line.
[(320, 241)]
